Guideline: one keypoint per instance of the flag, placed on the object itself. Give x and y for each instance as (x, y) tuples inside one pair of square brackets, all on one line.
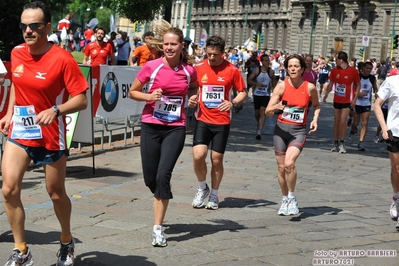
[(111, 23)]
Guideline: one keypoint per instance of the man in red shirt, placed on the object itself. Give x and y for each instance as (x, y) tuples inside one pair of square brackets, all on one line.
[(99, 51), (88, 33), (63, 23), (346, 81), (216, 78), (44, 78)]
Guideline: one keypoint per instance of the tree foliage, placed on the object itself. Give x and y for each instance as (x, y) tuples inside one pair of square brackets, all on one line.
[(134, 10), (10, 16)]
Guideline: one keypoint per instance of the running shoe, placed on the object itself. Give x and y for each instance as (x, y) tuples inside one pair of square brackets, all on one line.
[(350, 138), (376, 139), (17, 258), (342, 148), (65, 254), (283, 208), (258, 135), (292, 206), (349, 123), (397, 225), (213, 203), (393, 211), (198, 201), (360, 147), (158, 237), (335, 147)]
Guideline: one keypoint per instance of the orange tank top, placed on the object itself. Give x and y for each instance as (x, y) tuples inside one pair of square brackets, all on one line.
[(298, 99)]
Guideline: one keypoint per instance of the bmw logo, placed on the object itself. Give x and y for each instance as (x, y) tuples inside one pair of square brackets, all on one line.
[(109, 92)]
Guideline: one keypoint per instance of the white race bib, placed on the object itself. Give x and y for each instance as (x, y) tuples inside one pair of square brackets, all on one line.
[(168, 109), (212, 95), (24, 123), (261, 91), (294, 114), (340, 90)]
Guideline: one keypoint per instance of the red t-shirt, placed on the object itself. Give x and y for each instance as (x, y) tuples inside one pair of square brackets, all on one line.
[(88, 33), (344, 82), (296, 110), (216, 84), (63, 23), (44, 81), (98, 53)]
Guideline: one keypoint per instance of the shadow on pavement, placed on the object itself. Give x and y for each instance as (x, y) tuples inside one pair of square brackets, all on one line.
[(199, 230), (315, 211), (35, 238), (230, 202), (96, 258)]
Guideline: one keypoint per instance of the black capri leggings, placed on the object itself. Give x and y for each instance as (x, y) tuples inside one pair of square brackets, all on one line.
[(160, 148)]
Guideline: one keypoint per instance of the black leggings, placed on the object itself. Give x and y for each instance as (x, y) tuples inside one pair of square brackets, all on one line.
[(160, 148)]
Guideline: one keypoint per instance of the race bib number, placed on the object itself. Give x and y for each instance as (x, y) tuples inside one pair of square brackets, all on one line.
[(212, 95), (24, 123), (294, 114), (340, 90), (367, 94), (168, 109), (261, 91)]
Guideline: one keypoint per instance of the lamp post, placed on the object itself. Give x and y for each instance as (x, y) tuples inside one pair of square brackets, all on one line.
[(190, 7), (81, 13), (311, 29), (393, 28), (210, 16)]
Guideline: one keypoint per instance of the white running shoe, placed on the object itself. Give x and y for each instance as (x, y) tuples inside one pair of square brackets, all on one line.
[(342, 148), (292, 206), (393, 211), (213, 203), (17, 258), (335, 147), (158, 237), (198, 201), (283, 208), (66, 254)]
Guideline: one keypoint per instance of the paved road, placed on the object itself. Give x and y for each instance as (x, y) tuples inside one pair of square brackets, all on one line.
[(343, 199)]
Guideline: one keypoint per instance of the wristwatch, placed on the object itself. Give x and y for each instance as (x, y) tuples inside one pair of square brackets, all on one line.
[(234, 103), (56, 110)]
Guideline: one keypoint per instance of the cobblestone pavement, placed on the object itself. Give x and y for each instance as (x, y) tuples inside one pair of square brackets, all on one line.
[(343, 199)]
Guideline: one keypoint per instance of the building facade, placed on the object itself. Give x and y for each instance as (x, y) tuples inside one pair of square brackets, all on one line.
[(346, 25)]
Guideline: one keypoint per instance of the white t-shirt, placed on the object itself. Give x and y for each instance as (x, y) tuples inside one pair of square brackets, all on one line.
[(3, 69), (276, 68), (53, 38), (389, 89)]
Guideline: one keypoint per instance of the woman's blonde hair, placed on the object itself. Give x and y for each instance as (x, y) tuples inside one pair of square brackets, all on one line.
[(162, 27)]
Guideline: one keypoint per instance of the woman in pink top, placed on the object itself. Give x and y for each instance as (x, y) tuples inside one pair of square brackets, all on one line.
[(309, 74), (163, 130)]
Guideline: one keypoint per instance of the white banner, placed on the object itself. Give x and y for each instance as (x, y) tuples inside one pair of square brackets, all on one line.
[(114, 84)]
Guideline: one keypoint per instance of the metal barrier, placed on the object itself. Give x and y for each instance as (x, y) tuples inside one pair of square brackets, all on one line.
[(134, 121)]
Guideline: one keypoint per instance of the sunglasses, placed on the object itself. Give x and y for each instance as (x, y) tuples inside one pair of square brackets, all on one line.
[(32, 26)]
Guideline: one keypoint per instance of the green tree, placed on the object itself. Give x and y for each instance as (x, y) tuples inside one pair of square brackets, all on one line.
[(136, 10), (10, 16)]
